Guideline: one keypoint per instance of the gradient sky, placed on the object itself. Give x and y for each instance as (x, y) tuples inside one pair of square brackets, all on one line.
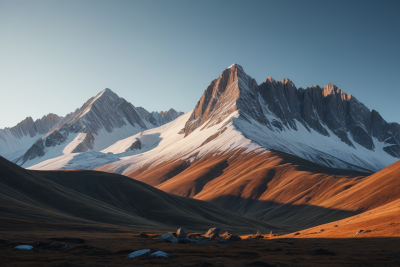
[(160, 54)]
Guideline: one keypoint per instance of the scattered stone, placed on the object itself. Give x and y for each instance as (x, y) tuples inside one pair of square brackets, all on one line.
[(231, 237), (273, 233), (24, 247), (367, 231), (212, 233), (322, 251), (335, 225), (359, 232), (139, 253), (322, 230), (257, 235), (159, 254), (181, 233), (169, 238)]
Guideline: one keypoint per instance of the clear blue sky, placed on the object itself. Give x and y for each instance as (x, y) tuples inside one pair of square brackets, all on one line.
[(160, 54)]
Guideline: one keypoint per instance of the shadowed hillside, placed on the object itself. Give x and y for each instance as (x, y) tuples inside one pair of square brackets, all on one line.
[(96, 200)]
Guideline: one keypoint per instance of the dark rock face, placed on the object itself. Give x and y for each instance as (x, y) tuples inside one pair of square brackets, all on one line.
[(280, 104), (37, 150), (217, 102), (137, 145), (32, 128), (181, 233)]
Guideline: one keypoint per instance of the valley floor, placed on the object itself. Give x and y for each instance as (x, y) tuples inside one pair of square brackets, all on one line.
[(111, 249)]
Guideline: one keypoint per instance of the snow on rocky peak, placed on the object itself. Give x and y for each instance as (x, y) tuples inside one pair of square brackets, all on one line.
[(323, 125), (100, 122)]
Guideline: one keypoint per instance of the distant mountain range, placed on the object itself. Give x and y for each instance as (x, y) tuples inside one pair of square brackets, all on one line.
[(100, 122), (322, 125), (285, 156)]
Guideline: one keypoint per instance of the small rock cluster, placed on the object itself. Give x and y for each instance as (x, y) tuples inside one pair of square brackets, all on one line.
[(212, 234)]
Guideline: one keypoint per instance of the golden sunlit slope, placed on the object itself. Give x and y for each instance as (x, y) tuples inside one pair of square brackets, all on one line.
[(275, 187), (378, 196), (91, 200)]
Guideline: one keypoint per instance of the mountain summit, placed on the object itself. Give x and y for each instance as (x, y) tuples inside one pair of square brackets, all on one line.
[(100, 122), (234, 115)]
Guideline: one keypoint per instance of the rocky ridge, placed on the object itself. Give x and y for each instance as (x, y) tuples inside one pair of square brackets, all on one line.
[(100, 121), (281, 107)]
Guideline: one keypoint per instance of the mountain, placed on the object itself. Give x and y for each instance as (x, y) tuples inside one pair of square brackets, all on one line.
[(16, 140), (90, 200), (324, 125), (159, 118), (100, 122), (321, 125)]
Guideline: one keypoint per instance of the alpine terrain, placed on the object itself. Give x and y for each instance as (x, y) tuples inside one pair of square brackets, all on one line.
[(100, 122)]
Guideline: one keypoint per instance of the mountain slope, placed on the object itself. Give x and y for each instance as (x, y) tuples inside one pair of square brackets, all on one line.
[(378, 199), (82, 199), (100, 122), (325, 126), (16, 140)]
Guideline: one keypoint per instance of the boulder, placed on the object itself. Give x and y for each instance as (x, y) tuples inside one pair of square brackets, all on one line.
[(212, 233), (24, 247), (231, 237), (169, 238), (139, 253), (234, 238), (181, 234), (159, 254)]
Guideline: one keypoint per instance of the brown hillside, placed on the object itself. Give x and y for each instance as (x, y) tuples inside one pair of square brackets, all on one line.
[(97, 200), (275, 187)]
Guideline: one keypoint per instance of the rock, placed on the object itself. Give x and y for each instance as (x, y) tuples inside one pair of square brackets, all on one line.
[(24, 247), (169, 238), (137, 145), (335, 225), (139, 253), (222, 240), (231, 237), (212, 233), (296, 233), (359, 232), (257, 235), (181, 233), (159, 254)]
